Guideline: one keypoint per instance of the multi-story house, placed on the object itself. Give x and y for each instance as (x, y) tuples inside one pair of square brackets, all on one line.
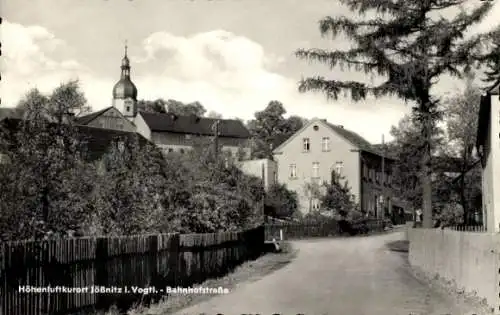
[(488, 147), (168, 131), (310, 157)]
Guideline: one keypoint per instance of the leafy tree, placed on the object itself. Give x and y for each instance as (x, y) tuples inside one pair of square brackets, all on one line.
[(210, 194), (132, 188), (45, 182), (182, 109), (461, 121), (407, 167), (172, 106), (269, 128), (65, 101), (338, 197), (214, 114), (157, 106), (280, 202), (408, 45)]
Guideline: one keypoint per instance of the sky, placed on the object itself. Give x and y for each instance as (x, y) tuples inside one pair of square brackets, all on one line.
[(233, 56)]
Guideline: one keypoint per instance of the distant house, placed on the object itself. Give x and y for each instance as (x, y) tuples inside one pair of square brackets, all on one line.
[(172, 133), (309, 158), (264, 168), (488, 147), (108, 118)]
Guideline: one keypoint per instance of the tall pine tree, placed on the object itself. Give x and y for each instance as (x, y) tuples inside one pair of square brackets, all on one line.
[(408, 45)]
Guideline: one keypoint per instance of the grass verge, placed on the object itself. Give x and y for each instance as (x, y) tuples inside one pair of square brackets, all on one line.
[(247, 272)]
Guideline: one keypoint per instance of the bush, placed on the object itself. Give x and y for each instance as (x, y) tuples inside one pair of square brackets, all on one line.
[(339, 200), (280, 202), (47, 192)]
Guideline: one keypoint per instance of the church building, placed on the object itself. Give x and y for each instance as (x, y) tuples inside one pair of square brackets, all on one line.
[(170, 132)]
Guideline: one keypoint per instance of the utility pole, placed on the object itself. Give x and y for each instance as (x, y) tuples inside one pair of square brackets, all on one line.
[(215, 129)]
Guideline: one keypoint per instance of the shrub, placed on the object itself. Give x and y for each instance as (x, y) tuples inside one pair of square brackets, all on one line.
[(338, 199), (280, 202)]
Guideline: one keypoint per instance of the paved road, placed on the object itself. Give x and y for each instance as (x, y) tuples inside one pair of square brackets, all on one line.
[(355, 276)]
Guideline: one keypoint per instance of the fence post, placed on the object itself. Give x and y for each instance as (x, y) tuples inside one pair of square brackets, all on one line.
[(173, 259), (101, 270), (153, 257)]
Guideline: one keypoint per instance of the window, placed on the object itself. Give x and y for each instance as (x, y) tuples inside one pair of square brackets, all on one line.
[(389, 179), (181, 151), (339, 166), (293, 171), (315, 170), (170, 150), (365, 171), (325, 144), (315, 204), (306, 146), (128, 108)]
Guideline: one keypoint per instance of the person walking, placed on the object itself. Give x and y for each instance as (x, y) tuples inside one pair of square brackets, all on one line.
[(418, 218)]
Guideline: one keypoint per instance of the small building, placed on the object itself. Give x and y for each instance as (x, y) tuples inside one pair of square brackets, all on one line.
[(265, 169), (488, 147)]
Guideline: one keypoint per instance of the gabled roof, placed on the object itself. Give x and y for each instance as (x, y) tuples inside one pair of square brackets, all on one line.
[(97, 140), (355, 139), (86, 119), (168, 122), (358, 141)]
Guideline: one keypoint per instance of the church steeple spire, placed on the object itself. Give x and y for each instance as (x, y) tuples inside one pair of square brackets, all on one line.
[(124, 91), (125, 64)]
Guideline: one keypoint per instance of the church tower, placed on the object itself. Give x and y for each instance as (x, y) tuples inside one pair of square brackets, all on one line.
[(125, 92)]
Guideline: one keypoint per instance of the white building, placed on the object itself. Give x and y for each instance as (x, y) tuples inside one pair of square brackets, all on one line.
[(488, 146)]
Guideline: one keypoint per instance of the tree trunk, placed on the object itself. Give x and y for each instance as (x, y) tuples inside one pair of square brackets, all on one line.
[(427, 174), (463, 199)]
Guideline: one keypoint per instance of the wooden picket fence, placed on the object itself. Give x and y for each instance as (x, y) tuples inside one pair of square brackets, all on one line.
[(295, 230), (114, 264)]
